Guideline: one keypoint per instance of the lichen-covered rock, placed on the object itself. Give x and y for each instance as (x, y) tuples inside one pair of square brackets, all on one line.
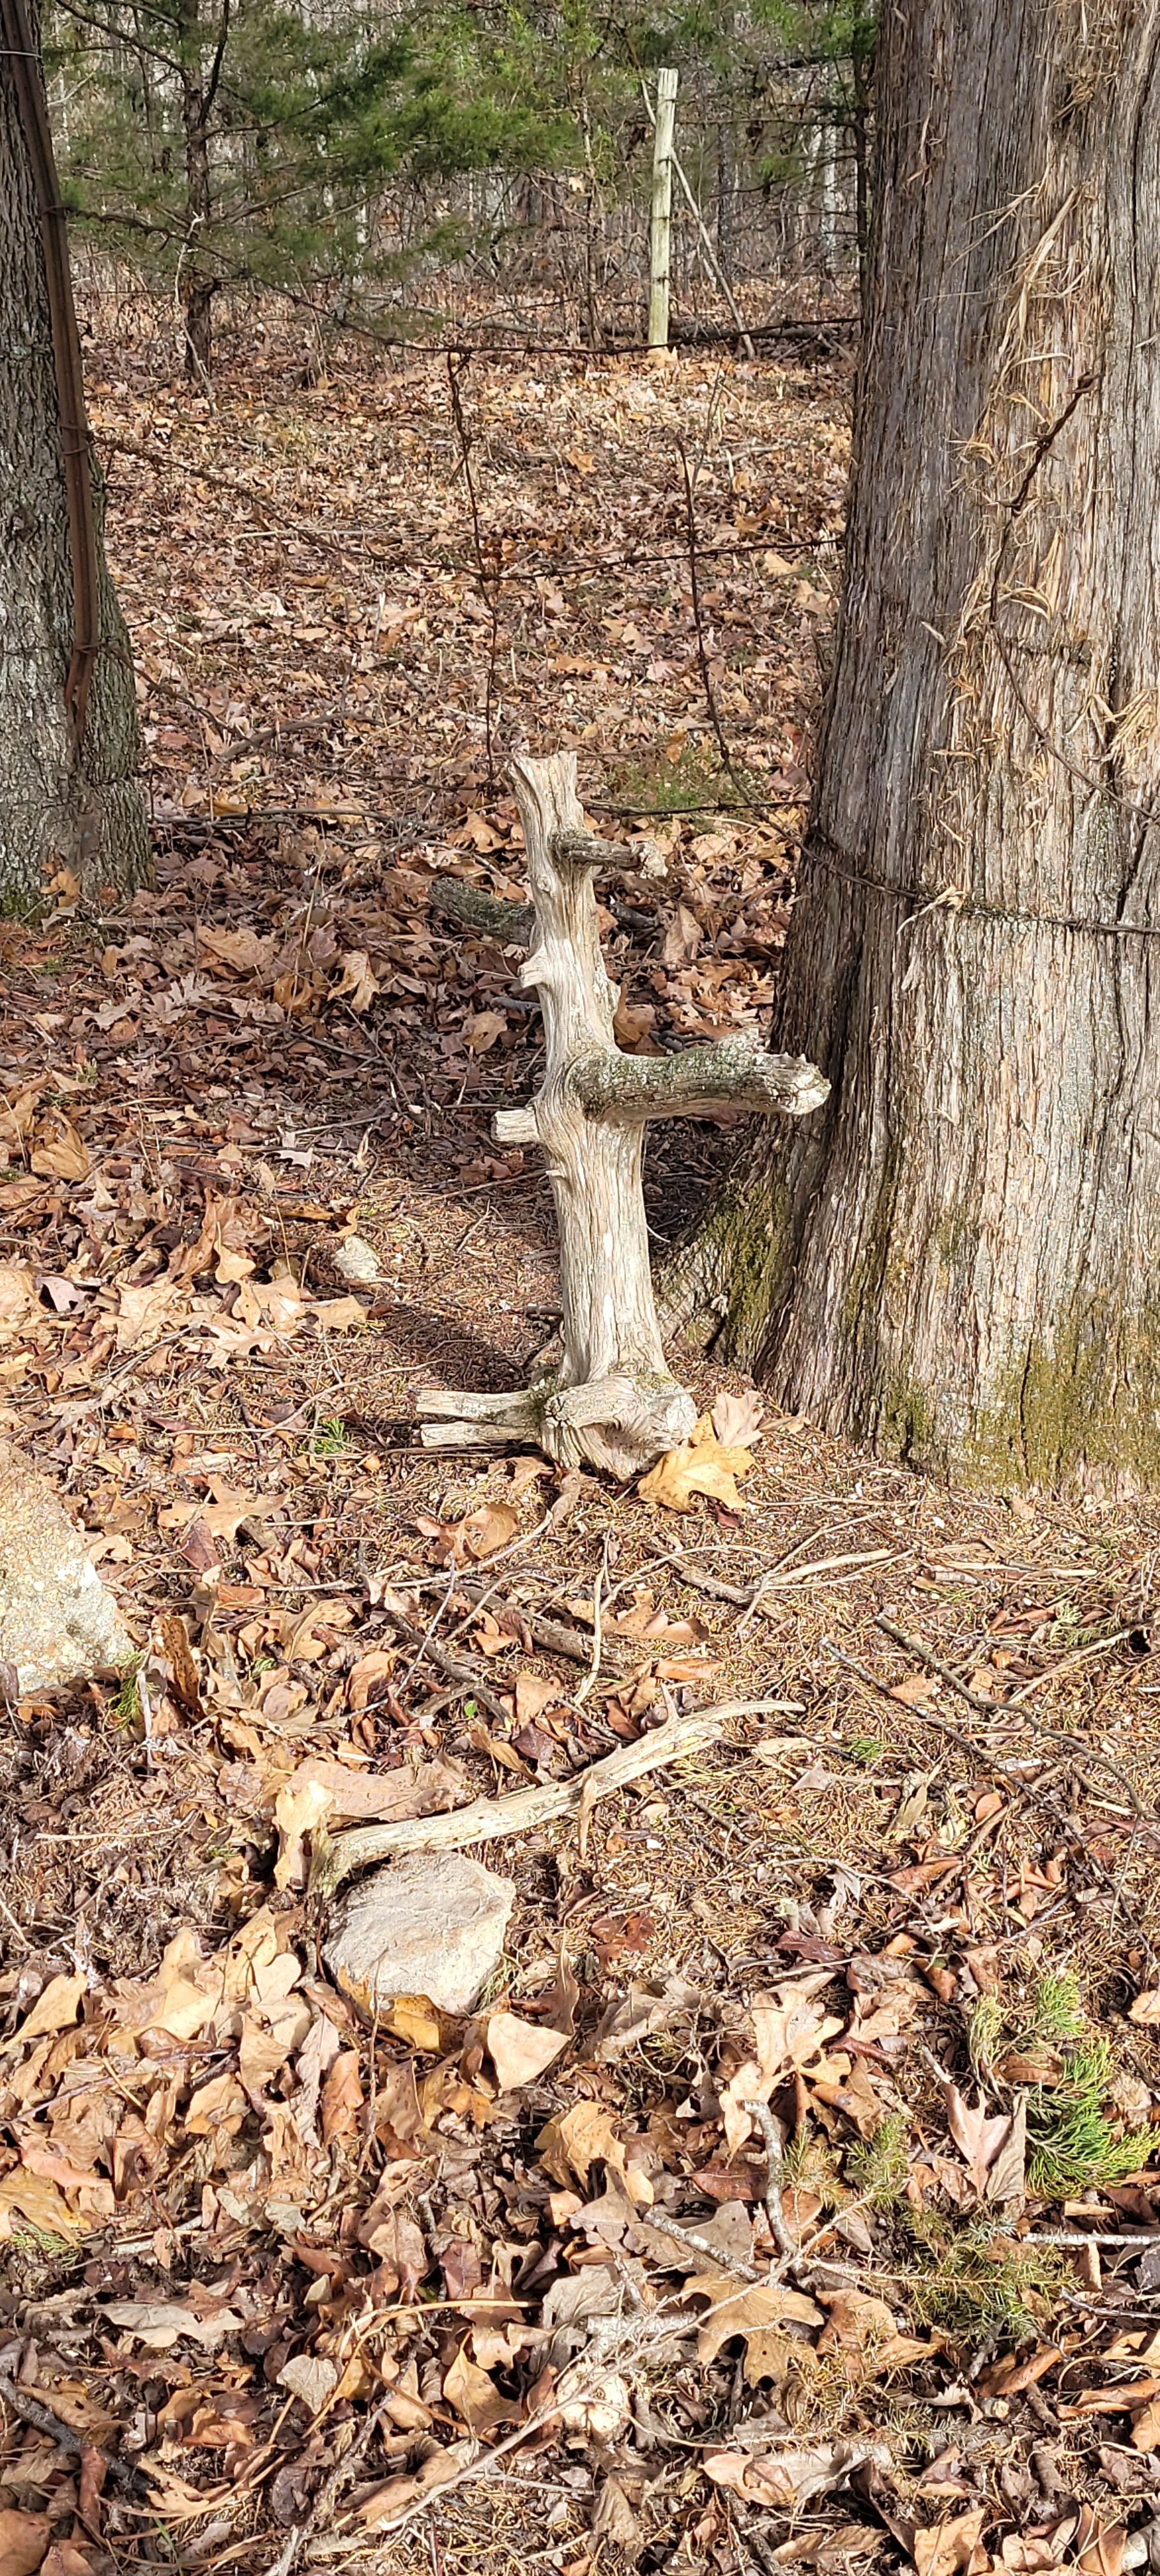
[(432, 1924), (58, 1621)]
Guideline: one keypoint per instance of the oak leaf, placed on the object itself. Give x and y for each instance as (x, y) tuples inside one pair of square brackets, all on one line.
[(702, 1465), (474, 2396), (61, 1154), (738, 2308), (577, 2139), (794, 2475), (737, 1419), (977, 2134), (55, 2009)]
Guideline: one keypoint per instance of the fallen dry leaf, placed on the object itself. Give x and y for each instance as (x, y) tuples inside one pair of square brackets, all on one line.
[(577, 2139), (356, 984), (32, 2197), (952, 2548), (738, 2309), (56, 2007), (61, 1154), (23, 2541), (399, 2494), (701, 1466), (737, 1419), (977, 2134), (793, 2476), (318, 1790), (160, 2323), (482, 1028), (484, 1531), (475, 2397), (311, 2377), (613, 2520), (519, 2051)]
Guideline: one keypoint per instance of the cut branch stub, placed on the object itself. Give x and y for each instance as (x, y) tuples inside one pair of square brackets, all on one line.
[(612, 1400)]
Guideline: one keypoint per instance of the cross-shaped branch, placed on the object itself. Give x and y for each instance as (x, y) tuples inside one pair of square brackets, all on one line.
[(612, 1400)]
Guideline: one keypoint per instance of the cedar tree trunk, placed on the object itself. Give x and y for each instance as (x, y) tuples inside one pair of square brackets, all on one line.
[(67, 792), (960, 1257)]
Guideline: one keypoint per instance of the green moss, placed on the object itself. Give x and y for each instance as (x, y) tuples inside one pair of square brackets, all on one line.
[(1089, 1400), (906, 1424), (954, 1228), (746, 1243)]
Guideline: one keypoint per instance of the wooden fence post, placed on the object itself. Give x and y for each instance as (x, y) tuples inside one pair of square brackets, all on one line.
[(660, 230)]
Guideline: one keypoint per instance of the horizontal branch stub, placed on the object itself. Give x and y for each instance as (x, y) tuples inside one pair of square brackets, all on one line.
[(465, 1421), (701, 1082), (730, 1073), (511, 924)]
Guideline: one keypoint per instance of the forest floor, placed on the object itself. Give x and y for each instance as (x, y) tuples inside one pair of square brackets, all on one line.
[(281, 2288)]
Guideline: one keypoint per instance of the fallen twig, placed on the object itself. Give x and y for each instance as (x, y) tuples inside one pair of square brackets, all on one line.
[(456, 1670), (32, 2410), (779, 2229), (490, 1819)]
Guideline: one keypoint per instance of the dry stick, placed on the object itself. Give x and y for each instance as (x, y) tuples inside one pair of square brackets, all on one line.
[(32, 2410), (457, 1671), (606, 2348), (1080, 1656), (328, 2494), (782, 2238), (491, 1819), (486, 584), (994, 1707), (589, 1680)]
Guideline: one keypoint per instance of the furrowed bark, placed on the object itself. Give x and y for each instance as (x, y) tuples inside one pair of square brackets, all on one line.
[(69, 746), (960, 1261), (613, 1400)]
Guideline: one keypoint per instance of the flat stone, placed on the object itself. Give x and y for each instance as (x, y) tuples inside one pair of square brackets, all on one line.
[(432, 1924), (58, 1621)]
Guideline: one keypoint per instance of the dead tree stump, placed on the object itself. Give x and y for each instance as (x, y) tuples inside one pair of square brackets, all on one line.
[(612, 1401)]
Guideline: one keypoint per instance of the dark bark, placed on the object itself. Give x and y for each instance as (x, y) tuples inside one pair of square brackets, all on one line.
[(862, 76), (959, 1258), (69, 747), (199, 86)]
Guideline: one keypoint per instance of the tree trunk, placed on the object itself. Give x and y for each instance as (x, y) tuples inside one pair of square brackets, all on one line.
[(198, 92), (69, 747), (959, 1258)]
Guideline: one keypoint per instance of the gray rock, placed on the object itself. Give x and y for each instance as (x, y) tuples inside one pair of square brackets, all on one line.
[(357, 1261), (432, 1924), (58, 1622)]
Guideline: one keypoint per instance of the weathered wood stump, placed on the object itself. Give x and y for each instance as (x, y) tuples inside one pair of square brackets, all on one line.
[(612, 1400)]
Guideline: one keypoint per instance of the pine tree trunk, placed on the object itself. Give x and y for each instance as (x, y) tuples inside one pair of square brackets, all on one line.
[(959, 1258), (58, 802)]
